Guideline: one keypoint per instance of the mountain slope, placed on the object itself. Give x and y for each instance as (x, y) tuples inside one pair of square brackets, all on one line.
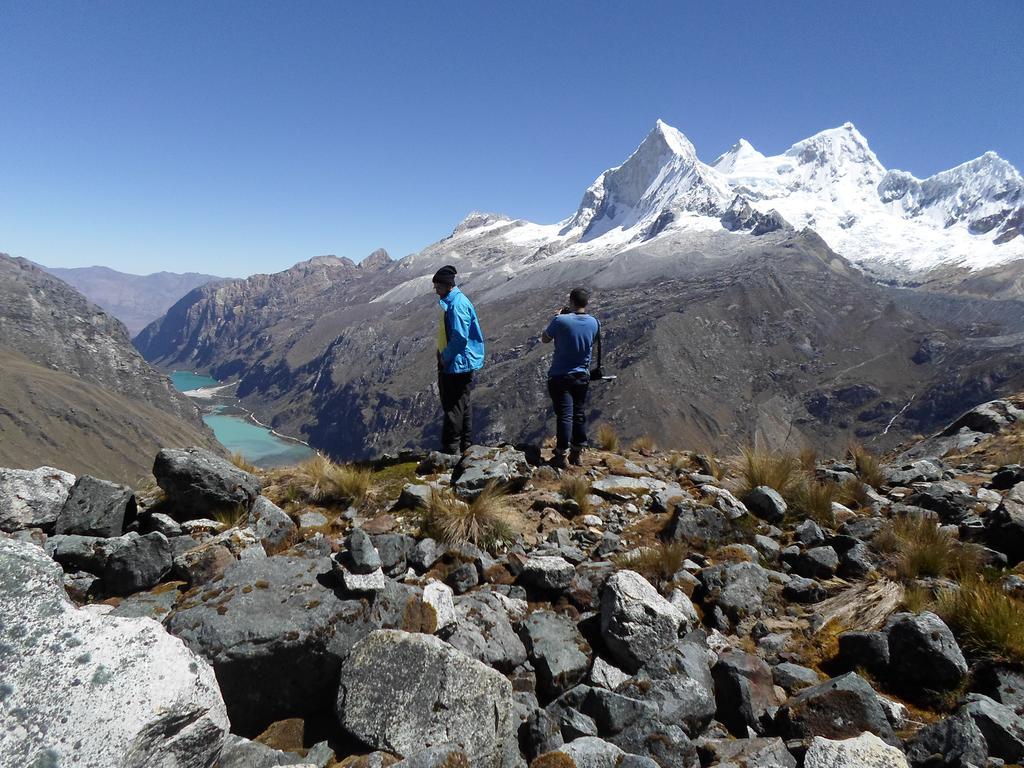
[(74, 391), (135, 300)]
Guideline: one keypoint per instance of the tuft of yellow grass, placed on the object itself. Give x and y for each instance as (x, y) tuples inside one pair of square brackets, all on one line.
[(869, 468), (325, 482), (486, 521), (607, 438), (853, 493), (776, 470), (243, 464), (658, 564), (644, 445), (808, 458), (919, 548), (984, 618), (577, 488), (231, 517), (811, 498)]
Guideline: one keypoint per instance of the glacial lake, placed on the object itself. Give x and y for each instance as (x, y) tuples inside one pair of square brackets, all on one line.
[(240, 434)]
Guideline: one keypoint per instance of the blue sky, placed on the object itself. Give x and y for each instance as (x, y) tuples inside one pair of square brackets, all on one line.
[(241, 137)]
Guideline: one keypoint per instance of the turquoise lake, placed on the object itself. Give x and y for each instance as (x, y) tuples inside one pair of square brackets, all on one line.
[(242, 435)]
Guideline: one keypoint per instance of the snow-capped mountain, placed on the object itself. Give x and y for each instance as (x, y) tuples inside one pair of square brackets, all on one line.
[(886, 221)]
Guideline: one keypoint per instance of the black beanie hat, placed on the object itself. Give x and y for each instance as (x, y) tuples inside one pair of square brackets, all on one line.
[(445, 275)]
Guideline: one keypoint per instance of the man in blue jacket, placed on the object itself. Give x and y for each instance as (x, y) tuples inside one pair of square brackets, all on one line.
[(573, 330), (460, 352)]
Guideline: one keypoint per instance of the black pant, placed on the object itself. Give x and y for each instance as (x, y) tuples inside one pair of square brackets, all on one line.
[(568, 395), (457, 427)]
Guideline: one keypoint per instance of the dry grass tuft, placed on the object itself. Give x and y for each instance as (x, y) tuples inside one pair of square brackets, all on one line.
[(231, 517), (658, 564), (607, 438), (917, 598), (869, 468), (778, 471), (324, 482), (853, 493), (985, 619), (808, 458), (919, 548), (709, 465), (487, 521), (577, 488), (246, 466), (810, 498), (644, 445)]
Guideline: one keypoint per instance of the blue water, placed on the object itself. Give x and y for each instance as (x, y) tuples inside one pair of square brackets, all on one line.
[(241, 435)]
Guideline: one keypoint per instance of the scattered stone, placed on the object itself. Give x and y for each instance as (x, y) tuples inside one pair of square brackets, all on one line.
[(678, 681), (272, 525), (440, 599), (766, 503), (485, 633), (165, 524), (923, 655), (414, 496), (139, 563), (864, 751), (309, 518), (590, 752), (955, 741), (809, 534), (698, 524), (554, 646), (32, 498), (606, 675), (242, 753), (539, 733), (839, 708), (744, 691), (1002, 728), (803, 590), (793, 677), (736, 589), (96, 507), (203, 564), (817, 563), (548, 573), (864, 650), (481, 465), (636, 622), (198, 482), (84, 689), (423, 556), (463, 578), (747, 753), (403, 692)]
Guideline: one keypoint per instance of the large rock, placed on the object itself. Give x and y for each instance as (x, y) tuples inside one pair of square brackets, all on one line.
[(404, 692), (747, 753), (271, 524), (275, 631), (1002, 728), (139, 563), (97, 507), (83, 689), (955, 742), (678, 682), (548, 573), (636, 622), (481, 465), (744, 691), (737, 589), (840, 708), (197, 481), (243, 753), (699, 524), (924, 657), (485, 633), (590, 752), (766, 503), (555, 648), (32, 498), (864, 751), (83, 553)]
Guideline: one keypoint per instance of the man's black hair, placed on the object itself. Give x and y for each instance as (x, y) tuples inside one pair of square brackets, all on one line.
[(579, 297)]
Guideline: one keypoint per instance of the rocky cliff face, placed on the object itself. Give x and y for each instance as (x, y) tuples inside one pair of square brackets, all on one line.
[(712, 340), (74, 389)]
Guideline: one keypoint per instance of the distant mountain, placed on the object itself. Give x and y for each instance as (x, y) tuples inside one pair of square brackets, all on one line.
[(135, 300), (74, 393)]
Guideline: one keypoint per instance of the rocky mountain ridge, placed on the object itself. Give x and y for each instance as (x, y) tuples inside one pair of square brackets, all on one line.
[(648, 610), (135, 300), (74, 389)]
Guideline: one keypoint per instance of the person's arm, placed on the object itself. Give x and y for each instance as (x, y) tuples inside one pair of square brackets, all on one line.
[(549, 333), (458, 334)]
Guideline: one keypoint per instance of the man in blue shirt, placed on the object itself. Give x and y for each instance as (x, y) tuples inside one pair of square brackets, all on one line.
[(460, 352), (573, 331)]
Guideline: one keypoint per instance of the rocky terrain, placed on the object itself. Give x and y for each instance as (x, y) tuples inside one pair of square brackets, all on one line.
[(135, 300), (649, 608), (73, 390)]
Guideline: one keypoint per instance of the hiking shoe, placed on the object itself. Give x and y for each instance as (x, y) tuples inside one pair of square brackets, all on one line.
[(558, 461), (576, 457)]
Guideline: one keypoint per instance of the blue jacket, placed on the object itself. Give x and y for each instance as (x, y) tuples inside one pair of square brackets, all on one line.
[(464, 340)]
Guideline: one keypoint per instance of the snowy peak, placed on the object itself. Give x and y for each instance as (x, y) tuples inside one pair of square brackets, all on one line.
[(663, 175), (742, 153), (838, 156)]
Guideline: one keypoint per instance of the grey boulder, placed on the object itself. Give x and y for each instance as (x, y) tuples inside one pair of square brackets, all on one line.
[(636, 622), (139, 563), (197, 481), (271, 524), (84, 689), (766, 503), (863, 751), (97, 507), (924, 657), (554, 645), (485, 633), (404, 692), (32, 498), (839, 708)]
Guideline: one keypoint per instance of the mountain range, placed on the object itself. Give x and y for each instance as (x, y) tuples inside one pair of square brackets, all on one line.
[(135, 300), (73, 390), (752, 296)]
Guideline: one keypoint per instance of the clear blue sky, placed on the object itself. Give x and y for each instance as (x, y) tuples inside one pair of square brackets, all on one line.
[(239, 137)]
